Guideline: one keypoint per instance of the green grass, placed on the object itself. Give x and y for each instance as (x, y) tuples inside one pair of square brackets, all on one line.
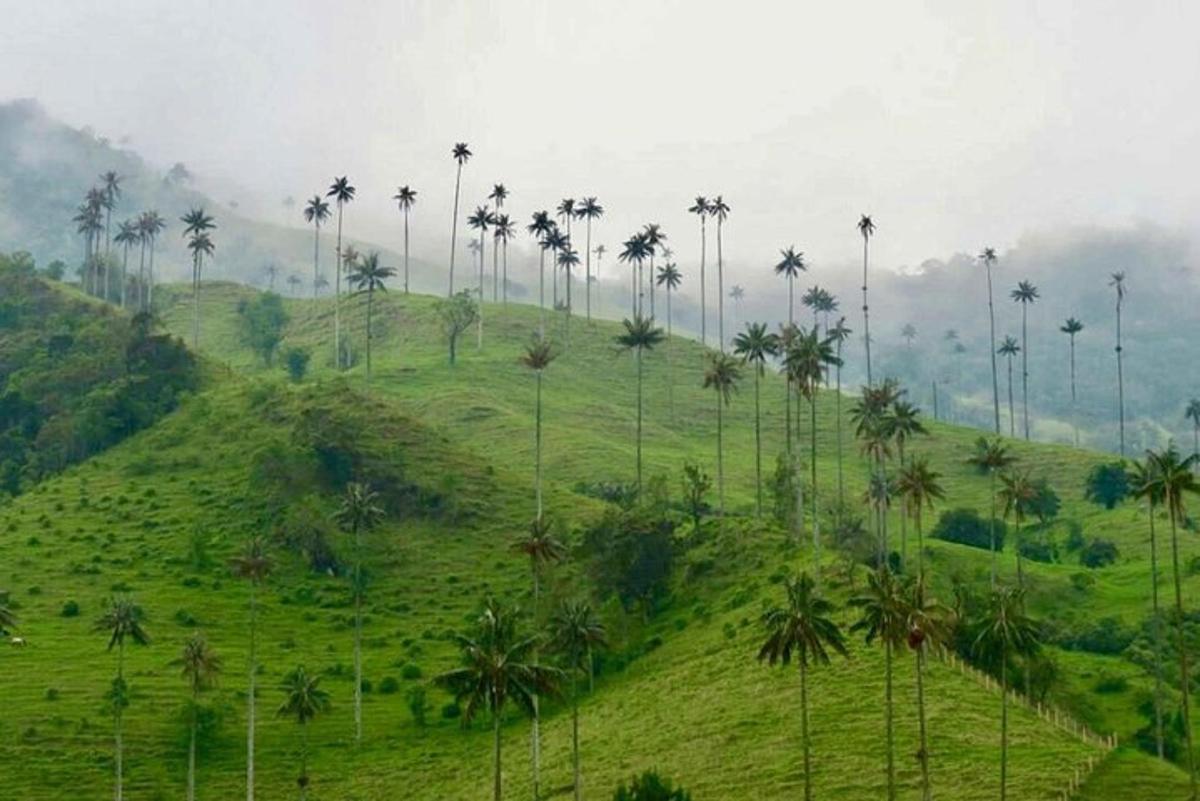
[(697, 706)]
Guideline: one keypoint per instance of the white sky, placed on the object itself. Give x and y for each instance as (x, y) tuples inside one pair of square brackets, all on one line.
[(954, 123)]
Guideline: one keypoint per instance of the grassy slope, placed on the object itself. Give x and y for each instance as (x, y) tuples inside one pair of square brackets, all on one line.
[(697, 706)]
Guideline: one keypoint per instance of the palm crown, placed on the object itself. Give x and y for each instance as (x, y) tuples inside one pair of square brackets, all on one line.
[(405, 197), (792, 263), (803, 627), (1009, 347), (701, 207), (1025, 293), (123, 621), (669, 276), (341, 190), (640, 333), (866, 226), (461, 153), (589, 209), (316, 210), (722, 374), (368, 275), (1071, 326), (303, 697), (756, 344)]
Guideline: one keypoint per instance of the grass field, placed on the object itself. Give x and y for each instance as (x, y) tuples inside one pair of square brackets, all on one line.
[(694, 704)]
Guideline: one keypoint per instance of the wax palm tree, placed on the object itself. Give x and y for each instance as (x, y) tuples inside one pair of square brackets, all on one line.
[(342, 193), (152, 224), (928, 626), (903, 424), (461, 154), (722, 376), (655, 239), (321, 283), (1025, 294), (201, 666), (720, 210), (568, 260), (537, 357), (294, 281), (576, 633), (1009, 348), (368, 276), (811, 300), (589, 210), (503, 230), (1018, 494), (803, 627), (272, 272), (669, 278), (540, 546), (200, 245), (565, 213), (304, 699), (702, 209), (992, 456), (359, 512), (1072, 327), (866, 227), (481, 220), (497, 669), (919, 485), (316, 212), (599, 250), (908, 333), (88, 218), (110, 185), (406, 198), (755, 345), (1117, 282), (127, 237), (884, 619), (1192, 414), (838, 335), (540, 228), (988, 257), (1144, 484), (122, 621), (1173, 478), (640, 335), (791, 265), (253, 565), (635, 251), (1004, 632), (737, 294)]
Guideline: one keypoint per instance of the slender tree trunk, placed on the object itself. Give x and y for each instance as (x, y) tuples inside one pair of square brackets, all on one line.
[(1181, 646), (495, 271), (791, 295), (992, 329), (479, 319), (196, 302), (1025, 367), (542, 292), (587, 266), (838, 420), (150, 276), (923, 753), (670, 366), (454, 226), (250, 695), (1158, 683), (575, 738), (816, 524), (1074, 406), (757, 437), (191, 775), (118, 716), (1017, 548), (125, 275), (720, 288), (535, 742), (1003, 726), (1012, 414), (337, 296), (537, 447), (1121, 395), (703, 255), (992, 530), (316, 256), (504, 264), (496, 786), (920, 542), (370, 303), (804, 729), (303, 761), (891, 744), (406, 251), (866, 314), (358, 591), (142, 276), (639, 421)]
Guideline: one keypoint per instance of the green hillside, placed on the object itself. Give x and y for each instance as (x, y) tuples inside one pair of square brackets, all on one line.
[(158, 515)]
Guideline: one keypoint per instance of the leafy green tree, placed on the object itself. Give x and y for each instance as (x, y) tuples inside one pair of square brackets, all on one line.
[(991, 457), (1071, 328), (359, 513), (1005, 631), (457, 313), (721, 376), (640, 335), (369, 276), (261, 322), (406, 198), (497, 669), (702, 209), (122, 621), (201, 666), (576, 634), (696, 485), (866, 227), (296, 361), (988, 257), (755, 345), (537, 357), (304, 699), (650, 787), (803, 627), (342, 193), (253, 565)]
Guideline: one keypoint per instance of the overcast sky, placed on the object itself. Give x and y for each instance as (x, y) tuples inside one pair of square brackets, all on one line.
[(954, 123)]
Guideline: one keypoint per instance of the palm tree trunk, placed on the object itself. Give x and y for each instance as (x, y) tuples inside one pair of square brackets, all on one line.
[(406, 251), (1158, 685), (787, 412), (757, 437), (191, 775), (1017, 548), (923, 754), (670, 373), (142, 275), (504, 265), (651, 282), (703, 256), (866, 314), (316, 256), (542, 292), (150, 275), (1121, 387), (125, 275), (992, 329), (496, 755), (1003, 725), (804, 729), (370, 303), (537, 448), (357, 635), (575, 737), (1181, 646), (639, 421), (838, 420), (250, 696), (816, 524), (920, 541), (720, 288), (587, 267), (535, 742), (992, 530), (119, 703), (196, 302), (479, 319), (1025, 367), (337, 297), (303, 761), (791, 313), (1012, 414), (495, 272), (720, 460), (454, 226), (891, 745), (1074, 407)]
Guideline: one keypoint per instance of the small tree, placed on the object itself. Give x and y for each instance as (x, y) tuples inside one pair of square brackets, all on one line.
[(696, 485), (458, 313), (296, 361), (303, 700), (650, 787), (260, 324), (1107, 484)]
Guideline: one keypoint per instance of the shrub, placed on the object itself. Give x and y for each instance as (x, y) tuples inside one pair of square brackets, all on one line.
[(1098, 553), (410, 672), (631, 554), (650, 787), (389, 686), (260, 324), (296, 361), (1107, 484), (1039, 548), (450, 711), (1045, 503), (418, 706), (70, 609), (1109, 685), (967, 527), (1105, 636)]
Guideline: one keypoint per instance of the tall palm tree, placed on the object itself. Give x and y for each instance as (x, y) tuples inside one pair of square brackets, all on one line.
[(1004, 632), (303, 700), (496, 669), (811, 300), (481, 220), (755, 345), (200, 245), (461, 154), (589, 210), (316, 212), (640, 335), (904, 423), (884, 618), (568, 260), (919, 485), (720, 210), (908, 333), (866, 227), (803, 626), (1017, 494), (359, 512), (1072, 327), (669, 278), (599, 250), (991, 456), (342, 193), (722, 376), (201, 666), (368, 275), (927, 627), (152, 224), (1025, 294), (635, 251), (1143, 480), (1009, 349), (537, 357), (576, 633), (655, 238), (122, 620), (1192, 413), (253, 565), (110, 185), (542, 549), (1173, 478), (737, 294), (839, 334), (540, 228), (988, 257), (406, 198), (565, 213), (790, 266), (127, 237), (702, 209), (502, 231), (1117, 282)]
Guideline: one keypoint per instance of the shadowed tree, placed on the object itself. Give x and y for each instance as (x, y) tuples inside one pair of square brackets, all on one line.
[(537, 357), (110, 185), (316, 212), (655, 238), (640, 335), (342, 193), (1072, 327), (127, 237), (991, 456), (196, 225), (540, 228), (702, 209), (720, 210), (721, 376), (576, 633), (461, 154), (1018, 494), (406, 198), (866, 227), (497, 669), (201, 666), (1117, 282), (1009, 349), (928, 626), (919, 486), (457, 314), (1192, 414), (122, 622), (1005, 631), (635, 251), (803, 627), (303, 700), (589, 210), (503, 230), (565, 213), (791, 265), (1144, 484), (988, 257), (1025, 294), (359, 512), (151, 224), (481, 221), (368, 275), (755, 345), (884, 618), (838, 335), (908, 333), (254, 566)]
